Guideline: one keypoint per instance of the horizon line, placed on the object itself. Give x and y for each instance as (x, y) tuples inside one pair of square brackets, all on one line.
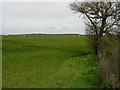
[(41, 33)]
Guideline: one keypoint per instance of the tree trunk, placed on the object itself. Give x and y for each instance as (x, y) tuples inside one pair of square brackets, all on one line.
[(99, 49), (119, 57), (101, 59)]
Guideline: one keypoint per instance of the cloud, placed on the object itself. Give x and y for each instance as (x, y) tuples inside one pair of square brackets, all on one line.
[(40, 17)]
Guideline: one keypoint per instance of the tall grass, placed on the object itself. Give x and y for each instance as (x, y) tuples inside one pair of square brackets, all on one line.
[(48, 62)]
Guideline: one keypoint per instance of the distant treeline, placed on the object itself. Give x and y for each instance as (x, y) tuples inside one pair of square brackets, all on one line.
[(57, 34), (50, 34)]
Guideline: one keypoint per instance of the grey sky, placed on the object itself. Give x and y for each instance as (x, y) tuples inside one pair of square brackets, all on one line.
[(40, 17)]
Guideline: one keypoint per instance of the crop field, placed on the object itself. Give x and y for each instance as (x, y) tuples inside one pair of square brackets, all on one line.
[(42, 61)]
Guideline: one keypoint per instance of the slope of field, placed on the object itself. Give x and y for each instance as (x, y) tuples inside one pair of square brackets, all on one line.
[(35, 61)]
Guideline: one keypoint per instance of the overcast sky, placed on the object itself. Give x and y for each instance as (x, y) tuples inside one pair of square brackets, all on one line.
[(40, 17)]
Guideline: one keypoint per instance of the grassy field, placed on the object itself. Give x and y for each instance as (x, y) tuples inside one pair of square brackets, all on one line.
[(35, 61)]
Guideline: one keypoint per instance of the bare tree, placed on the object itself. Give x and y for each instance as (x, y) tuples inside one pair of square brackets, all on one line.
[(103, 19)]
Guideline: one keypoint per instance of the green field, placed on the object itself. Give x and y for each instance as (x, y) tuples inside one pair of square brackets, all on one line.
[(35, 61)]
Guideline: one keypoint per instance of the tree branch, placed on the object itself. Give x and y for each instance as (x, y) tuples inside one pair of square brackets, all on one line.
[(90, 20), (110, 26)]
